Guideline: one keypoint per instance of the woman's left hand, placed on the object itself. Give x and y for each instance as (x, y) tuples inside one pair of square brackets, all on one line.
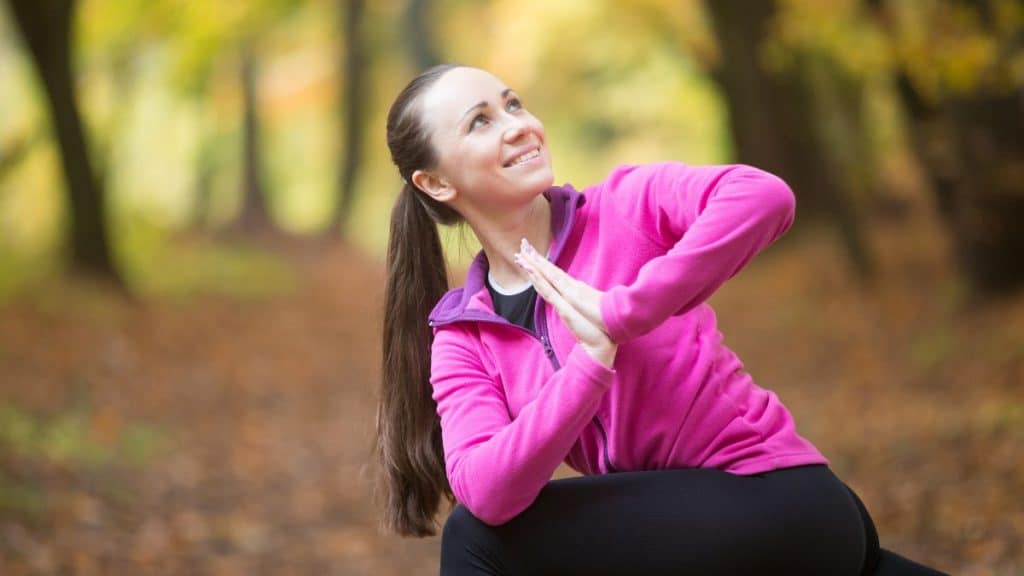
[(583, 297)]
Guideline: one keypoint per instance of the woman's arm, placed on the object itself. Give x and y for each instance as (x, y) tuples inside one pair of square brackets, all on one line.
[(710, 219), (496, 466)]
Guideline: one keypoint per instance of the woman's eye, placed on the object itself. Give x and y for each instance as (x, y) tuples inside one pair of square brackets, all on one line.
[(514, 104), (480, 120)]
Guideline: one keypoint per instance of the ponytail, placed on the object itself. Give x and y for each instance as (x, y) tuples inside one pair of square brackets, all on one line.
[(408, 441)]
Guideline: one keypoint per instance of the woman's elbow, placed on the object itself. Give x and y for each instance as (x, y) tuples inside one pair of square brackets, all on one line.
[(488, 503), (776, 199), (785, 202), (492, 509)]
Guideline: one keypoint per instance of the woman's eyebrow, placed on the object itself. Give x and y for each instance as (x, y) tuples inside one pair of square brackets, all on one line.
[(483, 104)]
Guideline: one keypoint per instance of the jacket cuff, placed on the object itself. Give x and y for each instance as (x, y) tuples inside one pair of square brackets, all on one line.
[(610, 316), (585, 364)]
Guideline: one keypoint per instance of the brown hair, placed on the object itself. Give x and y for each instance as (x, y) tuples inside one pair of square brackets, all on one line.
[(408, 441)]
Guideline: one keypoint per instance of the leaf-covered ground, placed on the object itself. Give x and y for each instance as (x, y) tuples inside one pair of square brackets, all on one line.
[(231, 435)]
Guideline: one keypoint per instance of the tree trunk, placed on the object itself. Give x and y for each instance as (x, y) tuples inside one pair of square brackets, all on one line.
[(777, 121), (841, 137), (987, 204), (420, 39), (748, 89), (354, 106), (45, 26), (255, 216), (972, 153)]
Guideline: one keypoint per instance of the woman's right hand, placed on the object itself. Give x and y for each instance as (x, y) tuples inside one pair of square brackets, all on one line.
[(546, 277)]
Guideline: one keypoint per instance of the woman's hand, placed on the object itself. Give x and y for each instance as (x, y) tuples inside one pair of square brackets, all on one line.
[(577, 303)]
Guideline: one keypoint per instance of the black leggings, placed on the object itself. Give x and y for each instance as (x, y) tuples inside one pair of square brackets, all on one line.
[(801, 520)]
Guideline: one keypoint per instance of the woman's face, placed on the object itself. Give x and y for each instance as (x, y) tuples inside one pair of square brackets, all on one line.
[(491, 152)]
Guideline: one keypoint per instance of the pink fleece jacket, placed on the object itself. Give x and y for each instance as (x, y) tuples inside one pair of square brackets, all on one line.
[(659, 239)]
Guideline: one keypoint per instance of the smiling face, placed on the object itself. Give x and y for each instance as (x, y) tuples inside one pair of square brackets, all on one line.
[(491, 152)]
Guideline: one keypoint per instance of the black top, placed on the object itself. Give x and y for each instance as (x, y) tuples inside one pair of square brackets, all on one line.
[(516, 308)]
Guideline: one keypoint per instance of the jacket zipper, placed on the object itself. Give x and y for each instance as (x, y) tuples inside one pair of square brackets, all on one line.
[(542, 327), (541, 323), (604, 437)]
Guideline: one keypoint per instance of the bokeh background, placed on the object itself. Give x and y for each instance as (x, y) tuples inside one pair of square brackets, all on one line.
[(194, 203)]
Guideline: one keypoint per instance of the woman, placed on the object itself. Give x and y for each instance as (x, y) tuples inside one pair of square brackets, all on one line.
[(616, 369)]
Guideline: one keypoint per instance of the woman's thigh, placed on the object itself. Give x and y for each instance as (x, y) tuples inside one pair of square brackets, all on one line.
[(694, 521)]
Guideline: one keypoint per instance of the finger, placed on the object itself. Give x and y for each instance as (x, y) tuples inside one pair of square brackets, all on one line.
[(539, 281), (583, 297), (548, 292), (560, 279)]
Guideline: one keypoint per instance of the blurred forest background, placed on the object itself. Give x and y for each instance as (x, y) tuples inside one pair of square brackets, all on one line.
[(194, 203)]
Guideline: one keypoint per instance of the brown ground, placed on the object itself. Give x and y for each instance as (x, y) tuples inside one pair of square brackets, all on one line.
[(263, 409)]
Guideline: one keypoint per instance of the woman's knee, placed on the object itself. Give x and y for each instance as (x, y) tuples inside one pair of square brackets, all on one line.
[(468, 545), (462, 526)]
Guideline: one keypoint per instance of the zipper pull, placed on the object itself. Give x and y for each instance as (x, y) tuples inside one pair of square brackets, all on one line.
[(547, 347)]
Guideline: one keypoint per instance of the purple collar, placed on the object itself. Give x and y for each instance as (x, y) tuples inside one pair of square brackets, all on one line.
[(452, 306)]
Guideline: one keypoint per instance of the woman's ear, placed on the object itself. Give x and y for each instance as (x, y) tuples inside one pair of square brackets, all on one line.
[(433, 185)]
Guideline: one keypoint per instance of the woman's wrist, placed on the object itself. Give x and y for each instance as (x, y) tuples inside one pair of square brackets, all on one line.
[(604, 354)]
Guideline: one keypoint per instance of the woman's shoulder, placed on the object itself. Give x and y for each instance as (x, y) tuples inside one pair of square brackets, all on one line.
[(629, 176), (671, 186), (447, 307), (632, 186)]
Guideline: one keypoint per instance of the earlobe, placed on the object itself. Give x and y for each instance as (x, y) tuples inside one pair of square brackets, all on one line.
[(433, 185)]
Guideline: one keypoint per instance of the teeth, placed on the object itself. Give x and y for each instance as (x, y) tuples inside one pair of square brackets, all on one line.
[(526, 157)]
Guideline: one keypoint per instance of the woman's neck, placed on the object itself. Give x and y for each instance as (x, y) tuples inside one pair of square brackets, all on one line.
[(500, 238)]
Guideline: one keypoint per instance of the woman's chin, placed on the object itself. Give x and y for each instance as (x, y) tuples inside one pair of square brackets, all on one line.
[(540, 183), (540, 178)]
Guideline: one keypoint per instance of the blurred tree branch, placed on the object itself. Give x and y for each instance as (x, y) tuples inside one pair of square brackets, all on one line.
[(45, 26)]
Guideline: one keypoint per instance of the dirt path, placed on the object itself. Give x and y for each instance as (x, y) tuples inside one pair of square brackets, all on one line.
[(260, 415), (266, 409)]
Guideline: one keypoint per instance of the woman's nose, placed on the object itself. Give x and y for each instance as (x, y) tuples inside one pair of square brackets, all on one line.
[(514, 129)]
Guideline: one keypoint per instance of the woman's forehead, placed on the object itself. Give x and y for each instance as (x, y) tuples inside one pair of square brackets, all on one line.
[(457, 91)]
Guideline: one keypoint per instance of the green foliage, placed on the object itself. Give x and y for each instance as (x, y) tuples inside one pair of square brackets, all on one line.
[(19, 498), (932, 349), (951, 48), (614, 82), (160, 99), (70, 439), (838, 30), (76, 440), (20, 269), (1005, 418), (947, 48), (139, 443), (148, 252), (197, 33)]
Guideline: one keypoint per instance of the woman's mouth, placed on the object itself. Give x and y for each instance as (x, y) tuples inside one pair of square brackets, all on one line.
[(524, 158)]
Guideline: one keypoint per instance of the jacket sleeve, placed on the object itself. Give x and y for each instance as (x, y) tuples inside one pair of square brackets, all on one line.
[(710, 220), (496, 465)]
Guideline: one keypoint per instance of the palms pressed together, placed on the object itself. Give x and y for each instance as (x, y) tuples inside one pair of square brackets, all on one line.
[(578, 304)]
